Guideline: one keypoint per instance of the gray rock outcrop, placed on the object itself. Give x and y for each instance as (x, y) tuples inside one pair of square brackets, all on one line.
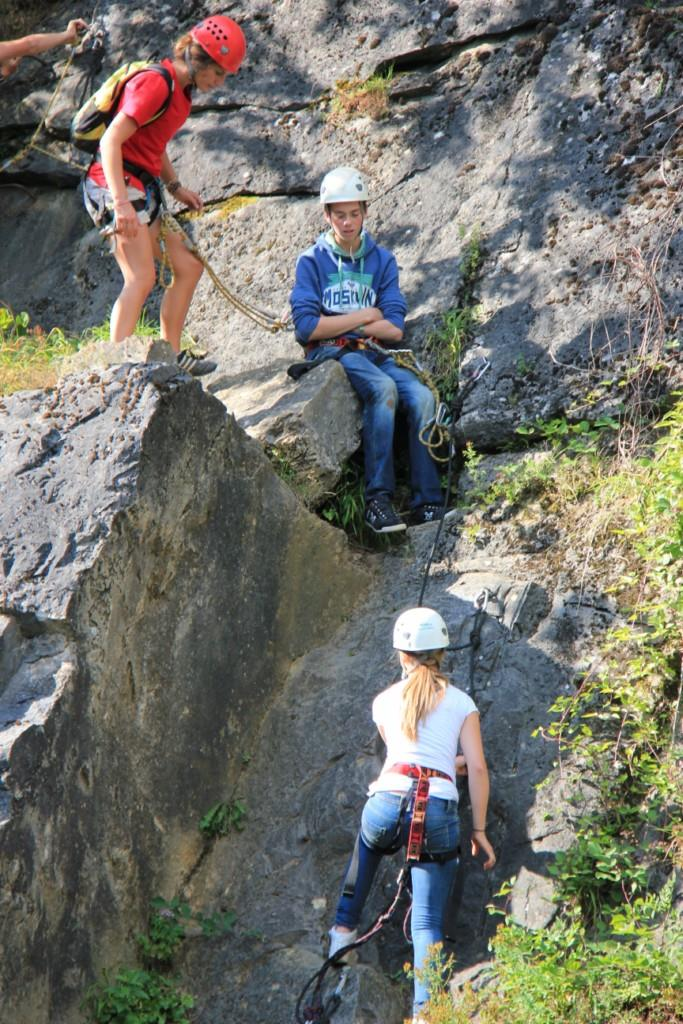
[(310, 427), (157, 582)]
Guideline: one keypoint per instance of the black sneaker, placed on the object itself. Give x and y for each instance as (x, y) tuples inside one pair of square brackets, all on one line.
[(430, 514), (381, 517), (195, 366)]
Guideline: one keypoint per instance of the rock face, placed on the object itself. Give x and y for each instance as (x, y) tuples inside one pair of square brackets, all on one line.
[(541, 127), (310, 427), (175, 629), (284, 870), (157, 581)]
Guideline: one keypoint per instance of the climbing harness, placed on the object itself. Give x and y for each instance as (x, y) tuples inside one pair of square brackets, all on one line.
[(420, 799), (166, 277)]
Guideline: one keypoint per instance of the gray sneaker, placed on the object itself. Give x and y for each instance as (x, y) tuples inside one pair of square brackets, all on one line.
[(195, 366), (339, 940)]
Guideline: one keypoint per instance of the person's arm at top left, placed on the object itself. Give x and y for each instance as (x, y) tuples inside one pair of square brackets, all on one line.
[(31, 46)]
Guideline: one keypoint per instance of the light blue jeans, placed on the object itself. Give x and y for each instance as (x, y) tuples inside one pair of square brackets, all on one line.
[(384, 387), (431, 881)]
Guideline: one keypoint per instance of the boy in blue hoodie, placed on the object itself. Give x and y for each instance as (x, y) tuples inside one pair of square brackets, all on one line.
[(346, 290)]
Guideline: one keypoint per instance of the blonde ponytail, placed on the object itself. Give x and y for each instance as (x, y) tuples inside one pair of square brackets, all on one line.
[(424, 689)]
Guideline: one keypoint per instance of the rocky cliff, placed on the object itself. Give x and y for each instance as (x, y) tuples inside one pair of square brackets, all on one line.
[(177, 630), (158, 582)]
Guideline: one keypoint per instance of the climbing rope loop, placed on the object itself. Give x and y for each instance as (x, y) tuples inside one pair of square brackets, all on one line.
[(166, 277)]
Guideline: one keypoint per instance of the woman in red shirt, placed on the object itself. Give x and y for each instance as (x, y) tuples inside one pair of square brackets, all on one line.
[(122, 187)]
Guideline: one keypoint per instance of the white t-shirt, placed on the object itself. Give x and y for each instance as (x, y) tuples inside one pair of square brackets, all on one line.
[(436, 744)]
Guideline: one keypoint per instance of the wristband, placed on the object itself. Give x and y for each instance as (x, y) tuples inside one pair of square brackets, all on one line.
[(479, 830), (173, 186)]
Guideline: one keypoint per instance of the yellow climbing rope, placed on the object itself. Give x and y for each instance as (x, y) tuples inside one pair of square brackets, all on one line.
[(166, 276)]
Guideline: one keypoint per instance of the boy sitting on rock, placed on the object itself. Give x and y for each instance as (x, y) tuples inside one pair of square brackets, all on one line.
[(347, 290)]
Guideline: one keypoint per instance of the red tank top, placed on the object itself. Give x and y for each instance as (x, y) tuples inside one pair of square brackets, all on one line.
[(142, 98)]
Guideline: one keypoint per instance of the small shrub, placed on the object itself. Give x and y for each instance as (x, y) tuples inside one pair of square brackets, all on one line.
[(169, 922), (345, 508), (222, 818), (137, 997), (446, 344), (361, 98)]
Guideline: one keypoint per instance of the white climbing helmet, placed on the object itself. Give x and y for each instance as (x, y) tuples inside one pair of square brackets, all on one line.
[(343, 185), (420, 629)]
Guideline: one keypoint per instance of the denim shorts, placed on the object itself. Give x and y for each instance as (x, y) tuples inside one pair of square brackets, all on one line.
[(383, 825)]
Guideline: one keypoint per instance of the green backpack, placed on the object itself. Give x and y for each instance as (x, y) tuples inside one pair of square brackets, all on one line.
[(92, 120)]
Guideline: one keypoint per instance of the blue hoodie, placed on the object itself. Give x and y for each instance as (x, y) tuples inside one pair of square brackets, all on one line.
[(330, 282)]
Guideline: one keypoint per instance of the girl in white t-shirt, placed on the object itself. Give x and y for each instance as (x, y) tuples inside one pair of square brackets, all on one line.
[(422, 719)]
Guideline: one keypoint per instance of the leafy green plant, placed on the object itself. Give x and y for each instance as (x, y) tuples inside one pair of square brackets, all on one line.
[(446, 344), (169, 921), (282, 465), (223, 818), (137, 997), (568, 469), (28, 354), (345, 507), (577, 438)]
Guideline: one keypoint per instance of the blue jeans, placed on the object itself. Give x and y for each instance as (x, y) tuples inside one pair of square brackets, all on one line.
[(431, 881), (383, 389)]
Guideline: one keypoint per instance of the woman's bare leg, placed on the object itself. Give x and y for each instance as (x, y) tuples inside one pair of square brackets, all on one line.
[(186, 273), (135, 257)]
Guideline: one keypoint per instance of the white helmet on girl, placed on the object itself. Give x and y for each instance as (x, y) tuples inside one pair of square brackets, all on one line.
[(343, 185), (420, 629)]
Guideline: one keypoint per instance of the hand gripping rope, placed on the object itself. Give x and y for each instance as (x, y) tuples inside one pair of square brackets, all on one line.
[(91, 40), (32, 143)]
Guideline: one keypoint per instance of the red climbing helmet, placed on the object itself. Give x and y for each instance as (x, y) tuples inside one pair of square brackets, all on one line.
[(223, 40)]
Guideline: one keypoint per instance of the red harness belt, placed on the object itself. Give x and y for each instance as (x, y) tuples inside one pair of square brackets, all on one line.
[(417, 824)]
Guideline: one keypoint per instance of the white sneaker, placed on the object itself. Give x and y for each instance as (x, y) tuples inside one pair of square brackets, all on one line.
[(340, 939)]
